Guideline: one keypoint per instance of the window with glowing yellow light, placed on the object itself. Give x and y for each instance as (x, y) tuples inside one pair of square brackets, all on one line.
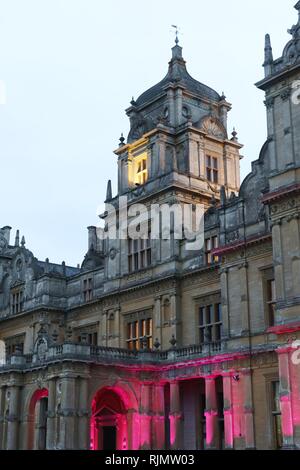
[(140, 169)]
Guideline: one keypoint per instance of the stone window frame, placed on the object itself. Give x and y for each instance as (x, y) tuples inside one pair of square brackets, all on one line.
[(17, 299), (12, 341), (268, 275), (211, 242), (138, 318), (88, 288), (213, 299), (212, 168), (90, 331), (139, 254), (270, 378)]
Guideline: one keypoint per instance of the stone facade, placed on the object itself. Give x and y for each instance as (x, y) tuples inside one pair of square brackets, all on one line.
[(150, 345)]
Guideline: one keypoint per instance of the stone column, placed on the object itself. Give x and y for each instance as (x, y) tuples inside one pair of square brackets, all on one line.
[(2, 408), (145, 417), (175, 317), (285, 397), (248, 409), (175, 416), (133, 430), (278, 260), (228, 411), (51, 439), (83, 416), (13, 418), (211, 413), (225, 303), (294, 232), (158, 422), (157, 324), (68, 412), (244, 297)]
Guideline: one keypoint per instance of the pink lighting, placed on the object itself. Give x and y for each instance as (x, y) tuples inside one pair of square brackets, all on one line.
[(36, 397)]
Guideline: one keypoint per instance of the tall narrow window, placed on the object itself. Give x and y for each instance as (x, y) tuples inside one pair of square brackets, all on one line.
[(210, 324), (271, 301), (212, 169), (211, 244), (88, 289), (16, 301), (142, 171), (276, 414), (139, 254)]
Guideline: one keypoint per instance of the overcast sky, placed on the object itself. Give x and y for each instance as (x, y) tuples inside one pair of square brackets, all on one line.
[(70, 69)]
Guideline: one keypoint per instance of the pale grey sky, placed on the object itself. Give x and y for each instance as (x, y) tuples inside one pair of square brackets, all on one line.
[(71, 68)]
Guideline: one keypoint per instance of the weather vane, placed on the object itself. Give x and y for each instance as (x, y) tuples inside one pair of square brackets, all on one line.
[(177, 30)]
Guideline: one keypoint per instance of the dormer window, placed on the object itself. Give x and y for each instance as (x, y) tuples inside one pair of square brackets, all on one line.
[(212, 171)]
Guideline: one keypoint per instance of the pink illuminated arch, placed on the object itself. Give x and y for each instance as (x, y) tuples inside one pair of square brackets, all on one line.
[(109, 410), (37, 441)]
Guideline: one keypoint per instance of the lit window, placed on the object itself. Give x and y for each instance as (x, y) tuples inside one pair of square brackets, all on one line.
[(140, 170), (88, 289), (210, 245), (210, 323), (212, 169), (139, 334)]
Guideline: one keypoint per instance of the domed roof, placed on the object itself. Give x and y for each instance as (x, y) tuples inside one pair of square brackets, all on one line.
[(178, 74)]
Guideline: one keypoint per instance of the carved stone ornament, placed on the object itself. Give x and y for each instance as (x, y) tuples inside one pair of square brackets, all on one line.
[(113, 253)]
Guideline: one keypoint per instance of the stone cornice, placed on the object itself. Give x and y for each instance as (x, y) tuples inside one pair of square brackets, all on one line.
[(281, 193), (222, 250)]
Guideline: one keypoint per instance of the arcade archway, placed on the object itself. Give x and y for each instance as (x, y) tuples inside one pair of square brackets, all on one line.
[(37, 420), (108, 422)]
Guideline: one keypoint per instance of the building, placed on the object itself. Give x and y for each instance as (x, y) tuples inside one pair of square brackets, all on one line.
[(151, 345)]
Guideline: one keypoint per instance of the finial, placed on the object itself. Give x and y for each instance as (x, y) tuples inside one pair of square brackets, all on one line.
[(223, 195), (133, 102), (122, 140), (17, 240), (234, 135), (23, 242), (176, 34), (109, 191), (268, 51), (223, 97)]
